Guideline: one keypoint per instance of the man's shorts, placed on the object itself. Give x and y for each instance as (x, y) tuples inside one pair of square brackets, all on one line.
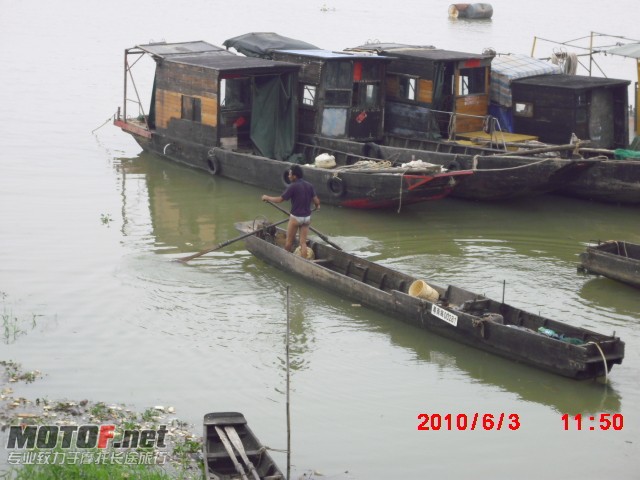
[(302, 220)]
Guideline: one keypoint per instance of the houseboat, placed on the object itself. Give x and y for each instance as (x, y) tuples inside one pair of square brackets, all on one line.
[(236, 116)]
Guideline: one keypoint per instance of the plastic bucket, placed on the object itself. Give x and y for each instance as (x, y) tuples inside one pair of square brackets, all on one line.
[(310, 254), (422, 289)]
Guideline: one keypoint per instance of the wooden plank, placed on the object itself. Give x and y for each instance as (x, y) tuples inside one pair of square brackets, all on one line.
[(425, 91), (237, 442), (232, 456)]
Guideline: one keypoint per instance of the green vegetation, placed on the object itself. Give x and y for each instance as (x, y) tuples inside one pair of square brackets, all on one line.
[(87, 471)]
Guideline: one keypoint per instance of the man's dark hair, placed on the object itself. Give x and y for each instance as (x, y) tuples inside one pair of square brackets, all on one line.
[(297, 171)]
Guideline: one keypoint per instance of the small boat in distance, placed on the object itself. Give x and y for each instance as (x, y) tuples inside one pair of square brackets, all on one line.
[(613, 259), (452, 312), (232, 451)]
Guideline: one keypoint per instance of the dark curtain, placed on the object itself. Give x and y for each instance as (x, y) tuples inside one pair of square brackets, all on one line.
[(273, 116)]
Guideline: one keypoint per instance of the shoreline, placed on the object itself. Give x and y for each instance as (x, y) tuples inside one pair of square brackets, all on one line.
[(179, 453)]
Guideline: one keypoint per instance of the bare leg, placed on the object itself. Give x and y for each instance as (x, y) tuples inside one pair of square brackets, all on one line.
[(304, 231), (292, 229)]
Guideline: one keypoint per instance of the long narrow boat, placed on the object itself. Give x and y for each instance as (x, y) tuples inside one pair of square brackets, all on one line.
[(456, 313), (235, 116), (495, 177), (598, 176), (614, 259), (232, 451)]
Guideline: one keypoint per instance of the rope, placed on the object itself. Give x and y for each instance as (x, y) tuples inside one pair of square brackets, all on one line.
[(366, 165), (262, 450), (604, 360), (479, 323), (106, 121), (401, 179), (508, 168)]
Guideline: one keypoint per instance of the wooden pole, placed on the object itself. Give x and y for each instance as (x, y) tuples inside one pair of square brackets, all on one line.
[(288, 407), (228, 242)]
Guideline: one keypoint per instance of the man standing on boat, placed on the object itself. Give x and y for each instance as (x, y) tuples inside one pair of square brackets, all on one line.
[(301, 193)]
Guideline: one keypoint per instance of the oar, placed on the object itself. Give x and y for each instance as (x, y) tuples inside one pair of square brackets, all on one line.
[(228, 242), (320, 234), (237, 442), (232, 456)]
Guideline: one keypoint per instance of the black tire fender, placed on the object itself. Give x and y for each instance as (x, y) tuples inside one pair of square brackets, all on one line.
[(213, 163), (453, 165), (336, 186), (285, 177)]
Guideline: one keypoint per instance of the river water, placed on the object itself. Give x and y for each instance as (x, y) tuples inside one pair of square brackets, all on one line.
[(89, 226)]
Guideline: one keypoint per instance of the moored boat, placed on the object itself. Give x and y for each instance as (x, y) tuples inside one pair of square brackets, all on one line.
[(618, 260), (495, 176), (452, 312), (232, 451), (235, 116)]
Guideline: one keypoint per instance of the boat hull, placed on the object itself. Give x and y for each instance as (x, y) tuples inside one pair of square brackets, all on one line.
[(459, 314), (611, 181), (495, 177), (616, 260), (345, 188)]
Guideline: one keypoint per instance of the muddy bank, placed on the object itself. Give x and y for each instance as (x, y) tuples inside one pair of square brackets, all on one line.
[(179, 452)]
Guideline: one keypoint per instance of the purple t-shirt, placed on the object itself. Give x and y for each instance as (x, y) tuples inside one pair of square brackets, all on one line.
[(301, 194)]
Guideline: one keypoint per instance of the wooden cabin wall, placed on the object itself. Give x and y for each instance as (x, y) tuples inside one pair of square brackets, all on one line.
[(176, 81), (476, 105), (621, 117), (557, 113)]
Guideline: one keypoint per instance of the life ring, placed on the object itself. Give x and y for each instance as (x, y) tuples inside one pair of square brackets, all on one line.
[(213, 163), (336, 186)]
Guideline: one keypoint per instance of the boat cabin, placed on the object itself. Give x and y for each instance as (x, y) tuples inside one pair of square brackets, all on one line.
[(433, 93), (341, 94), (208, 96), (553, 107)]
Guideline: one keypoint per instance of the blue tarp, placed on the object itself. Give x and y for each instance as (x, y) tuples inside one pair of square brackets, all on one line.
[(507, 68)]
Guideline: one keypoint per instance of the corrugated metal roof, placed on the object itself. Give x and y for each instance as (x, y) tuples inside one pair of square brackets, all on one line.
[(328, 54), (572, 82), (631, 50), (423, 52), (227, 61), (166, 49)]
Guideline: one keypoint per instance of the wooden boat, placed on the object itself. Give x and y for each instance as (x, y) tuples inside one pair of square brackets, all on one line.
[(232, 451), (458, 314), (614, 259), (234, 116), (495, 177)]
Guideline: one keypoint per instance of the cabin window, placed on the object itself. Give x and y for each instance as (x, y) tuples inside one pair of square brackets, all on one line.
[(471, 81), (234, 93), (338, 98), (365, 95), (309, 95), (191, 109), (407, 88), (522, 109), (370, 71), (339, 75)]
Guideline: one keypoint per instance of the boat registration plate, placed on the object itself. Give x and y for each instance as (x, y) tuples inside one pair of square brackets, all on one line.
[(442, 314)]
